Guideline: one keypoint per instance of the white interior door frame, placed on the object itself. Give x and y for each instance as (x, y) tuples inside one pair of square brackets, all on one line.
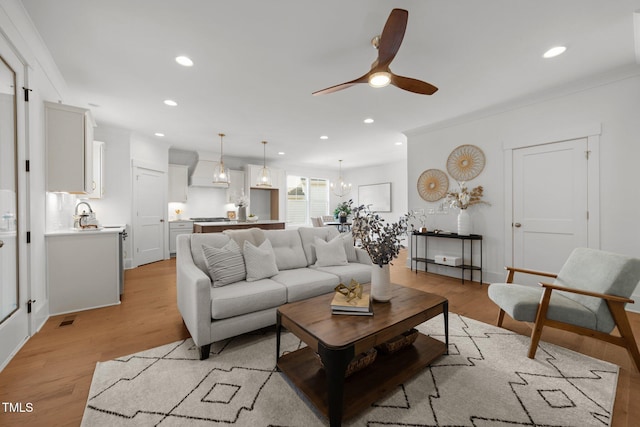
[(592, 133)]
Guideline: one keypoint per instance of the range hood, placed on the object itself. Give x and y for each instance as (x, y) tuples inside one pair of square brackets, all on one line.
[(202, 175)]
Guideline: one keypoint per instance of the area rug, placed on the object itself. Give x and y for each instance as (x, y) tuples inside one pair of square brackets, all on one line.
[(485, 380)]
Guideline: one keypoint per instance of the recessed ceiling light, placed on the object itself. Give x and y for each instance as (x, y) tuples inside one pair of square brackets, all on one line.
[(554, 51), (368, 120), (170, 102), (398, 143), (281, 153), (324, 137), (184, 61), (159, 134)]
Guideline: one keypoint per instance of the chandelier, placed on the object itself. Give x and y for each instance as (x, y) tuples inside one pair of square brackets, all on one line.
[(220, 173), (264, 177), (339, 187)]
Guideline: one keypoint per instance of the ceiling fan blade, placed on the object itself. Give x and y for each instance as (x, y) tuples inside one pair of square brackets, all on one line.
[(341, 86), (391, 37), (413, 85)]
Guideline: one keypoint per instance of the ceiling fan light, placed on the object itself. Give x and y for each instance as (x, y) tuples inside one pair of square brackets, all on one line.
[(379, 79)]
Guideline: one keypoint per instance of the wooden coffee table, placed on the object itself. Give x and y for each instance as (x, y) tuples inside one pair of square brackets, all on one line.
[(338, 338)]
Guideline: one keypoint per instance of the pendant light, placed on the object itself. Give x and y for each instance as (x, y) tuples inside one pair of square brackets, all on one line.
[(339, 187), (220, 173), (264, 177)]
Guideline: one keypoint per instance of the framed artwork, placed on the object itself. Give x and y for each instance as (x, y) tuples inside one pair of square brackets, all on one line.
[(377, 197)]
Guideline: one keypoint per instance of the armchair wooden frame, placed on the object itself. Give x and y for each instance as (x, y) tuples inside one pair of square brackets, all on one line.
[(615, 304)]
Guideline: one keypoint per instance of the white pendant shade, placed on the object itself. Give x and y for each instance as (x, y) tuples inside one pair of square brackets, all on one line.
[(220, 172), (264, 177)]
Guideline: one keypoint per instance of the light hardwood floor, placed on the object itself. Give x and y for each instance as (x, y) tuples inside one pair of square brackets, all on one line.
[(53, 370)]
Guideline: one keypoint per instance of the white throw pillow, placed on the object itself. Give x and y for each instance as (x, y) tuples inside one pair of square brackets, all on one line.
[(349, 248), (330, 253), (225, 264), (260, 261)]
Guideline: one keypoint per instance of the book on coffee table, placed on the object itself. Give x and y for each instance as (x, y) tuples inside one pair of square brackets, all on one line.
[(354, 313), (342, 305)]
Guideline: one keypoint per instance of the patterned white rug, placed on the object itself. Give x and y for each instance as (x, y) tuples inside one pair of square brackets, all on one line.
[(486, 380)]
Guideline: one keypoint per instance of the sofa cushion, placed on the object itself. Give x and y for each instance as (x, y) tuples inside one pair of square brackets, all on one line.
[(246, 297), (226, 264), (349, 248), (216, 240), (307, 235), (254, 235), (353, 270), (304, 283), (329, 253), (260, 261), (288, 248)]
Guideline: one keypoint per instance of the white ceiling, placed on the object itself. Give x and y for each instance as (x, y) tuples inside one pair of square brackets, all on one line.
[(257, 63)]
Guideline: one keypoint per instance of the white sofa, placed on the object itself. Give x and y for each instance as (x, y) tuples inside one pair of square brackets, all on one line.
[(213, 313)]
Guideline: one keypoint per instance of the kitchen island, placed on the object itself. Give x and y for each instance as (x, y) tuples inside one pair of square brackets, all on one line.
[(216, 227)]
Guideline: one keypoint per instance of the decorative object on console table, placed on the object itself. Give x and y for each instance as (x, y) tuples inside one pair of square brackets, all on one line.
[(383, 242), (462, 200)]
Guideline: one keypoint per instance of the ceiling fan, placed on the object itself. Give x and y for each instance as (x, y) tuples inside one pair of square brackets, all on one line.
[(388, 45)]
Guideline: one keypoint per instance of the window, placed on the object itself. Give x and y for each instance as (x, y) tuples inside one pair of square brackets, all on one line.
[(306, 198)]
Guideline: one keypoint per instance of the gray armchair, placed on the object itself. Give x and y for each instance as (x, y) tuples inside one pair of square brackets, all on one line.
[(587, 297)]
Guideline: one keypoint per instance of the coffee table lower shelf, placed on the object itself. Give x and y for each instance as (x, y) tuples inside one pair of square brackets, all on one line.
[(364, 387)]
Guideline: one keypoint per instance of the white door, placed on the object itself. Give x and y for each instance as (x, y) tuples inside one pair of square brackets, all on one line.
[(14, 317), (149, 212), (550, 211)]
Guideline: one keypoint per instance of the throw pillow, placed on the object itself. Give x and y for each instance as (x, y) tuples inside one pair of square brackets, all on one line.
[(225, 264), (349, 248), (330, 253), (260, 261)]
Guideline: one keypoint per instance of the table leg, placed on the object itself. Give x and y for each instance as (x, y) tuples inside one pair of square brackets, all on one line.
[(445, 314), (278, 331), (335, 364)]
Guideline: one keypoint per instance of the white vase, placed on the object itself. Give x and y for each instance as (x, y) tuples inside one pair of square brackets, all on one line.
[(464, 223), (242, 213), (380, 283)]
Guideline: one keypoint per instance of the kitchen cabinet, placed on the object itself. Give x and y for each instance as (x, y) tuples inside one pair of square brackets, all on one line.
[(69, 145), (178, 183), (83, 270), (98, 171), (236, 186), (175, 229)]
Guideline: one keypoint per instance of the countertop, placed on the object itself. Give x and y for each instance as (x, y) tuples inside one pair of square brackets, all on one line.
[(266, 221), (73, 232)]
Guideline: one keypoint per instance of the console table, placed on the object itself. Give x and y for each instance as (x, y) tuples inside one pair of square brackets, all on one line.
[(430, 234)]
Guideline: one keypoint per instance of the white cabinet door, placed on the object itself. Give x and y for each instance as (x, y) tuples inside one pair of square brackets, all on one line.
[(69, 141), (236, 187), (98, 171), (178, 183), (82, 271), (177, 228)]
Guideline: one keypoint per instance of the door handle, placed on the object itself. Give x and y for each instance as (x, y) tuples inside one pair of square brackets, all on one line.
[(162, 220), (517, 225)]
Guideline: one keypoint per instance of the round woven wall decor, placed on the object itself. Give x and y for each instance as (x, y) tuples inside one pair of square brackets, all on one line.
[(433, 185), (465, 162)]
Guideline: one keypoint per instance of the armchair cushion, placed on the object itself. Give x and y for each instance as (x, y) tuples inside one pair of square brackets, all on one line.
[(521, 303)]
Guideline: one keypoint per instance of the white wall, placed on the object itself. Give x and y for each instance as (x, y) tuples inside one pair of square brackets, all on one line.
[(614, 104)]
